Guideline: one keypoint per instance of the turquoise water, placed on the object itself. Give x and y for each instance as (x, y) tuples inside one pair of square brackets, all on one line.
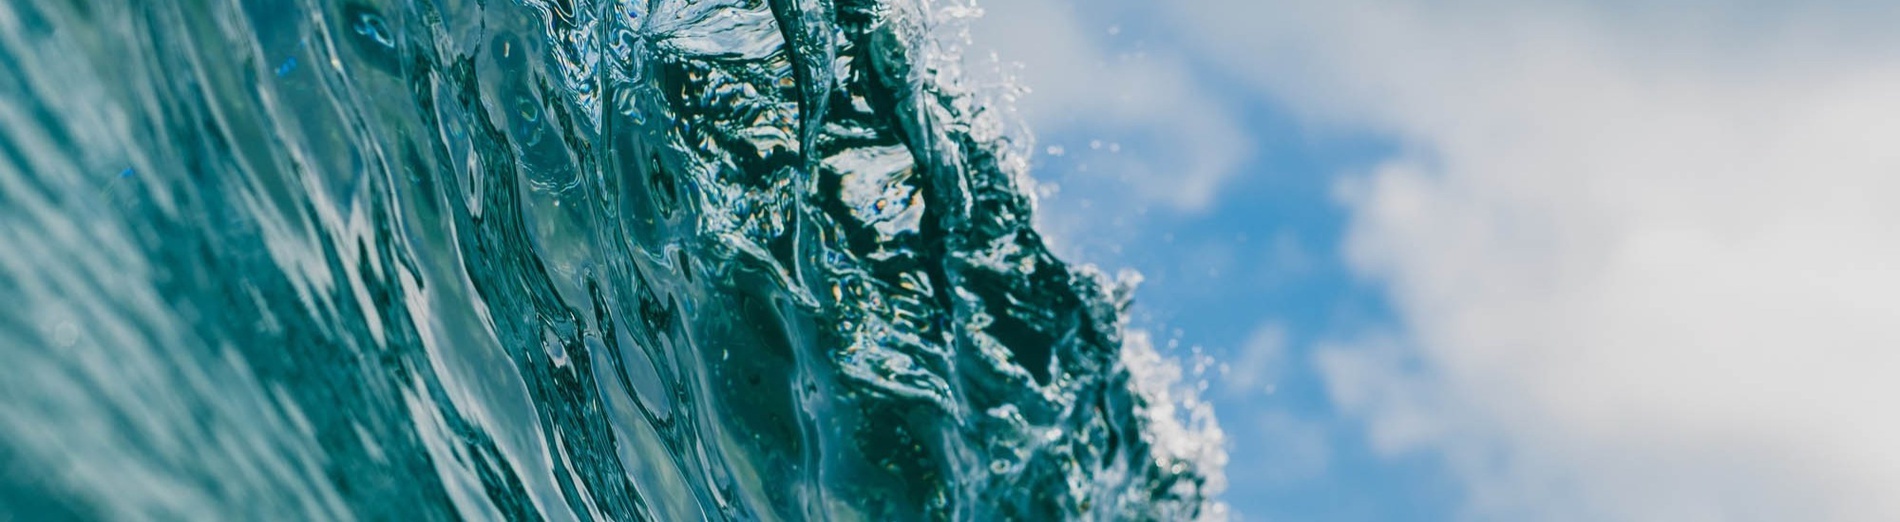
[(548, 259)]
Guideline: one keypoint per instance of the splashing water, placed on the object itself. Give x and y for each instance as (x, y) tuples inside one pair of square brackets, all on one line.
[(548, 259)]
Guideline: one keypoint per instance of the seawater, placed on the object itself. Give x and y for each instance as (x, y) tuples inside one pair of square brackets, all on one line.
[(549, 259)]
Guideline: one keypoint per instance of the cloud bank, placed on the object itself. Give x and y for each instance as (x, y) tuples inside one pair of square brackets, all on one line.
[(1646, 259)]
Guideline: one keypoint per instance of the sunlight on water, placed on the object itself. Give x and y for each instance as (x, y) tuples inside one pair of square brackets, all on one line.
[(561, 259)]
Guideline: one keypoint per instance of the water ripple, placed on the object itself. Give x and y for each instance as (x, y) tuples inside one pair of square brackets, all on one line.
[(548, 259)]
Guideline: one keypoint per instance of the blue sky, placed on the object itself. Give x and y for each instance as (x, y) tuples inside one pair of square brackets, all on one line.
[(1254, 268), (1480, 260)]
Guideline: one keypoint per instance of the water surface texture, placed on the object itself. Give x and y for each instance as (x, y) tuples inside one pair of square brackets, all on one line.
[(548, 259)]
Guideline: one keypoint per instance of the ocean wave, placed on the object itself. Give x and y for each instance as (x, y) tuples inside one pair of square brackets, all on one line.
[(550, 259)]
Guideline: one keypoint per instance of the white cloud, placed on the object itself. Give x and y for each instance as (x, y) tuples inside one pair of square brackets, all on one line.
[(1260, 362), (1646, 258), (1185, 143)]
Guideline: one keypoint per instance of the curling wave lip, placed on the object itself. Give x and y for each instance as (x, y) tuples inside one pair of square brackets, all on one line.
[(563, 260)]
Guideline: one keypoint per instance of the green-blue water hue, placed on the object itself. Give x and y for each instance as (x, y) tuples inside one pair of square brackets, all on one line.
[(546, 259)]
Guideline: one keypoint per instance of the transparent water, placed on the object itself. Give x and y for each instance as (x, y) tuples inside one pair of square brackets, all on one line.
[(547, 259)]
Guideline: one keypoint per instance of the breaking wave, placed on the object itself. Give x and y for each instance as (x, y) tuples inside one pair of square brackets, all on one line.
[(549, 259)]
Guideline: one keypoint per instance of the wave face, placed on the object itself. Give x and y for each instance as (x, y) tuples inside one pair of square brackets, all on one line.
[(547, 259)]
